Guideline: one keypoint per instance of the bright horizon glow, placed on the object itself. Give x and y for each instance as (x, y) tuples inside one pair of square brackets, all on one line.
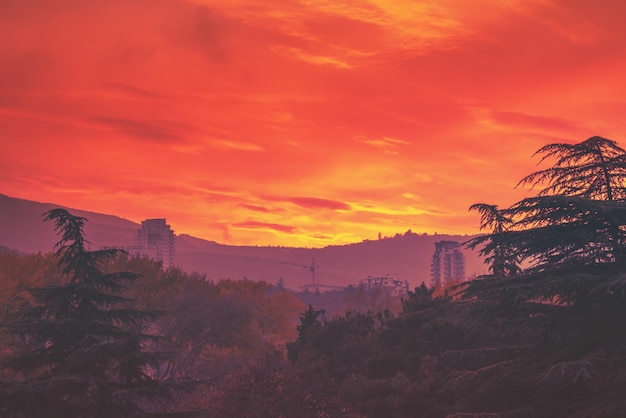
[(299, 122)]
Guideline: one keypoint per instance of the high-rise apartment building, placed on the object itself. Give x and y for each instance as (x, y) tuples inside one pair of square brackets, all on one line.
[(156, 240), (448, 263)]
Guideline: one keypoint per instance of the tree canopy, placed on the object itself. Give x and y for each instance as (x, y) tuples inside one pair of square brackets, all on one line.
[(565, 310), (577, 218), (545, 341), (83, 352), (594, 169)]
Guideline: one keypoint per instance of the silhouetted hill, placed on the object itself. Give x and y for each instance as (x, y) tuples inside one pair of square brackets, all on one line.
[(408, 256), (21, 226)]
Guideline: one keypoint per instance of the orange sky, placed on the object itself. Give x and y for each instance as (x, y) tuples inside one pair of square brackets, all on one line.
[(299, 122)]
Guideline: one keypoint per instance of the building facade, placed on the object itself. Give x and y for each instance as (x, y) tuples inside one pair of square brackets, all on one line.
[(388, 283), (156, 240), (448, 264)]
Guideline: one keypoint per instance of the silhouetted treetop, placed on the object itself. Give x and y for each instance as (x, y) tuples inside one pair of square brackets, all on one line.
[(594, 169), (578, 217), (497, 251), (85, 351), (563, 316)]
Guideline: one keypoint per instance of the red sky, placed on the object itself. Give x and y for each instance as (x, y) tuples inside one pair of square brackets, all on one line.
[(299, 122)]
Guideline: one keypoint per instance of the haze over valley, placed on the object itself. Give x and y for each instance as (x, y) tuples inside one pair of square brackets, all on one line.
[(312, 208), (406, 255)]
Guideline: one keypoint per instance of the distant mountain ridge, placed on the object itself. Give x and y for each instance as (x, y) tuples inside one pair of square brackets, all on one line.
[(21, 226), (406, 256)]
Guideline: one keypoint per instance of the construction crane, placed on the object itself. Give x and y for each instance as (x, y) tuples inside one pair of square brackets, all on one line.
[(313, 267)]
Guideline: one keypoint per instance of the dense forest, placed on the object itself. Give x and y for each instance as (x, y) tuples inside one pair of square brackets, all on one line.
[(95, 333)]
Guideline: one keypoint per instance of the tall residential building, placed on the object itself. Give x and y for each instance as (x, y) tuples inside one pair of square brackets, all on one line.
[(156, 240), (448, 263)]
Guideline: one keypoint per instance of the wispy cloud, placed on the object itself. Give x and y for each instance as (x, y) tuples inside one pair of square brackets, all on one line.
[(333, 117), (389, 145), (162, 131), (227, 145), (522, 120), (263, 209), (300, 54), (529, 124), (407, 24), (136, 92), (265, 225), (317, 203)]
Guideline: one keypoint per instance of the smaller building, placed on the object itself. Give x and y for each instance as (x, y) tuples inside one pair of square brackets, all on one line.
[(389, 283)]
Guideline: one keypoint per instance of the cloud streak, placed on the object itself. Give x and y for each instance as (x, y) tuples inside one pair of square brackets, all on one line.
[(521, 120), (136, 92), (265, 225), (151, 131), (299, 122), (317, 203), (224, 144)]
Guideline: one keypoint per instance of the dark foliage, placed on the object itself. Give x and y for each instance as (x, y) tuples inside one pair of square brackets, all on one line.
[(271, 387), (570, 327), (577, 219), (592, 169), (549, 341), (498, 252), (558, 230), (564, 315), (84, 352)]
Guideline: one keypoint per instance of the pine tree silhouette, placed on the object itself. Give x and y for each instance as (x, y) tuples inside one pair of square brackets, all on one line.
[(84, 350)]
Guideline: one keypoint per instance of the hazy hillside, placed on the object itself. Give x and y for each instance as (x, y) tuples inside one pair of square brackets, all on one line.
[(407, 256), (21, 226)]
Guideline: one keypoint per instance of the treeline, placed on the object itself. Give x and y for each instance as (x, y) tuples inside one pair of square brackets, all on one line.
[(98, 334), (198, 345), (548, 340)]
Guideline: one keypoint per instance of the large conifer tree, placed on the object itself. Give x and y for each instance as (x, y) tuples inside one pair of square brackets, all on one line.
[(84, 351), (577, 218), (594, 169), (497, 252), (564, 316)]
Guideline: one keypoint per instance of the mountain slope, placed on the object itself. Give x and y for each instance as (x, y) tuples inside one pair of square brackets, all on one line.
[(21, 226), (407, 256)]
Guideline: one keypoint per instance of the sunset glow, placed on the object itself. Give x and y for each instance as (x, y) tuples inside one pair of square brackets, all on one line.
[(299, 122)]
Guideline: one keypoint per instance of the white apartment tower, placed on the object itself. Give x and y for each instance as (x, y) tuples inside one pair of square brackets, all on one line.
[(156, 240), (448, 263)]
